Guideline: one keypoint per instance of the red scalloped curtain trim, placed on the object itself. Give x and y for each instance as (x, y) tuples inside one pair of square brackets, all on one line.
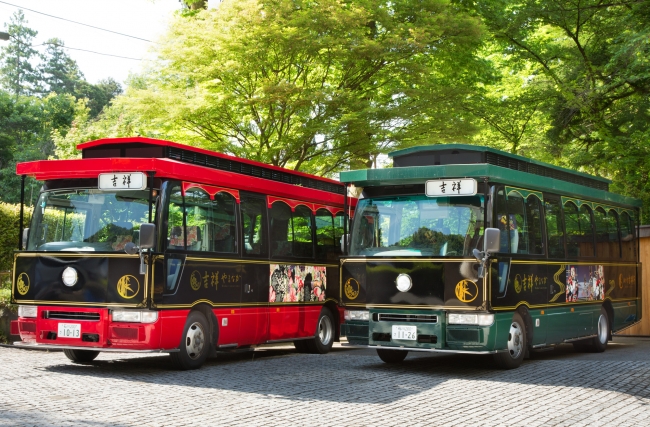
[(290, 202), (211, 190)]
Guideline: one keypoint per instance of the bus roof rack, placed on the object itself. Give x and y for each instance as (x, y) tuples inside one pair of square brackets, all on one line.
[(138, 146), (456, 154)]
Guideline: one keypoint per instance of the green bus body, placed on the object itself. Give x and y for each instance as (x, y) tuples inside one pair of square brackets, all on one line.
[(569, 253)]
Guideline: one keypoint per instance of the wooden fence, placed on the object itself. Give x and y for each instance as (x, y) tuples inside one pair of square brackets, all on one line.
[(643, 328)]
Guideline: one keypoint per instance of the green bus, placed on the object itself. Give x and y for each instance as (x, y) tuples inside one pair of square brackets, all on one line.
[(467, 249)]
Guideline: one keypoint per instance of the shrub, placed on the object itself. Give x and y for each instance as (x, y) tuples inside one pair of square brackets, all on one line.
[(9, 223)]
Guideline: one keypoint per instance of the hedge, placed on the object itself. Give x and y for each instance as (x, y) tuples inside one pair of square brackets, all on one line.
[(9, 223)]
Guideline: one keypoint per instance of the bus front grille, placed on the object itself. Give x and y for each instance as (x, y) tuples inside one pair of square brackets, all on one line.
[(71, 315), (417, 318)]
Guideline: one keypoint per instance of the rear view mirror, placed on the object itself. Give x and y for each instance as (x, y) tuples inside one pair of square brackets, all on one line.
[(343, 239), (491, 240), (25, 237), (147, 236)]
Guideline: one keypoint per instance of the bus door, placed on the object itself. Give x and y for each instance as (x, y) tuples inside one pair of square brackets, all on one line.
[(254, 327)]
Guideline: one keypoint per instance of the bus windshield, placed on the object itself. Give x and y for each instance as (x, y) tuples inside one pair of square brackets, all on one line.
[(417, 226), (88, 220)]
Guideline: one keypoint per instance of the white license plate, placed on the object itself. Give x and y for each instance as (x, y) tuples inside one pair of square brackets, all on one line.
[(69, 330), (406, 333)]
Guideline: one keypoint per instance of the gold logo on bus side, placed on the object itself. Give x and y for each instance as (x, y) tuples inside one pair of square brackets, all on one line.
[(351, 290), (195, 280), (517, 283), (125, 286), (22, 283), (466, 291)]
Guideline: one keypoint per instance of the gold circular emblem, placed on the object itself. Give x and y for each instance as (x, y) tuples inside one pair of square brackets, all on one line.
[(517, 283), (351, 288), (22, 283), (466, 291), (195, 280), (126, 285)]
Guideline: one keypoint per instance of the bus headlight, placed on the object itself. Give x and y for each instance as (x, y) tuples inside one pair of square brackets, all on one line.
[(403, 282), (134, 316), (357, 315), (483, 319), (70, 276), (27, 310)]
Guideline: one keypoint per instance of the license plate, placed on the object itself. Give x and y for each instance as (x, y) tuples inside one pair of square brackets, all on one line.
[(406, 333), (69, 330)]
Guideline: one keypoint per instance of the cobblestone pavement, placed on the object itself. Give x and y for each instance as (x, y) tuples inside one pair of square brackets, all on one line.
[(276, 386)]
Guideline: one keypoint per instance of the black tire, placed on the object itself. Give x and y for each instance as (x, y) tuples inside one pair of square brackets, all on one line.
[(195, 343), (599, 342), (301, 346), (516, 350), (392, 356), (324, 338), (81, 356)]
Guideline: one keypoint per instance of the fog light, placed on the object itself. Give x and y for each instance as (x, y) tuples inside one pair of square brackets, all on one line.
[(134, 316), (70, 276), (482, 319), (356, 315), (27, 310)]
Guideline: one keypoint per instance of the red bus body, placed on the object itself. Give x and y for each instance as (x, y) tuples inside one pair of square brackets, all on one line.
[(251, 293)]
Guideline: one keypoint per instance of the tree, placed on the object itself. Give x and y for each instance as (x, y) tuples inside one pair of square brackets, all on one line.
[(313, 86), (17, 73), (589, 60), (59, 72)]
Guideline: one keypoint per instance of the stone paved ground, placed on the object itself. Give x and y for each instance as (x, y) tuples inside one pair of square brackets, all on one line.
[(277, 386)]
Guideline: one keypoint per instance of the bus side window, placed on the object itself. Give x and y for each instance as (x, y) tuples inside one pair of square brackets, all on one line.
[(607, 241), (554, 228), (198, 209), (222, 226), (327, 247), (291, 231), (525, 224), (502, 220), (628, 241), (579, 230), (175, 235), (253, 223)]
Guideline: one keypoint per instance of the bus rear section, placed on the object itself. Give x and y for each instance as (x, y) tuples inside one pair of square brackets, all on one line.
[(150, 246), (465, 249)]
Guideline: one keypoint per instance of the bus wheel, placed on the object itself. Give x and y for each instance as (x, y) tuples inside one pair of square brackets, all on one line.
[(392, 356), (599, 343), (195, 345), (81, 356), (324, 339), (513, 357)]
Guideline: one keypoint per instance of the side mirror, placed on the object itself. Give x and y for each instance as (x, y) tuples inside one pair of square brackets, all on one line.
[(147, 236), (491, 240), (25, 237)]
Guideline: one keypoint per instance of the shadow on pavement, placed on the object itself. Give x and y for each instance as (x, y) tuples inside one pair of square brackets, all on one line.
[(346, 375)]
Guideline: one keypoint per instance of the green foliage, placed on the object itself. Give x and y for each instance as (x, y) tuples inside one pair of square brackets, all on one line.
[(9, 223), (314, 86), (584, 79)]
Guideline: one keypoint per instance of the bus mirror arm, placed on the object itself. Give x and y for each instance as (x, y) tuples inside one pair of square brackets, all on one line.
[(491, 244)]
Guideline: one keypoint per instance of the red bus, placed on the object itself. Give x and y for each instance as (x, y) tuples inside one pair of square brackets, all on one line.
[(146, 245)]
